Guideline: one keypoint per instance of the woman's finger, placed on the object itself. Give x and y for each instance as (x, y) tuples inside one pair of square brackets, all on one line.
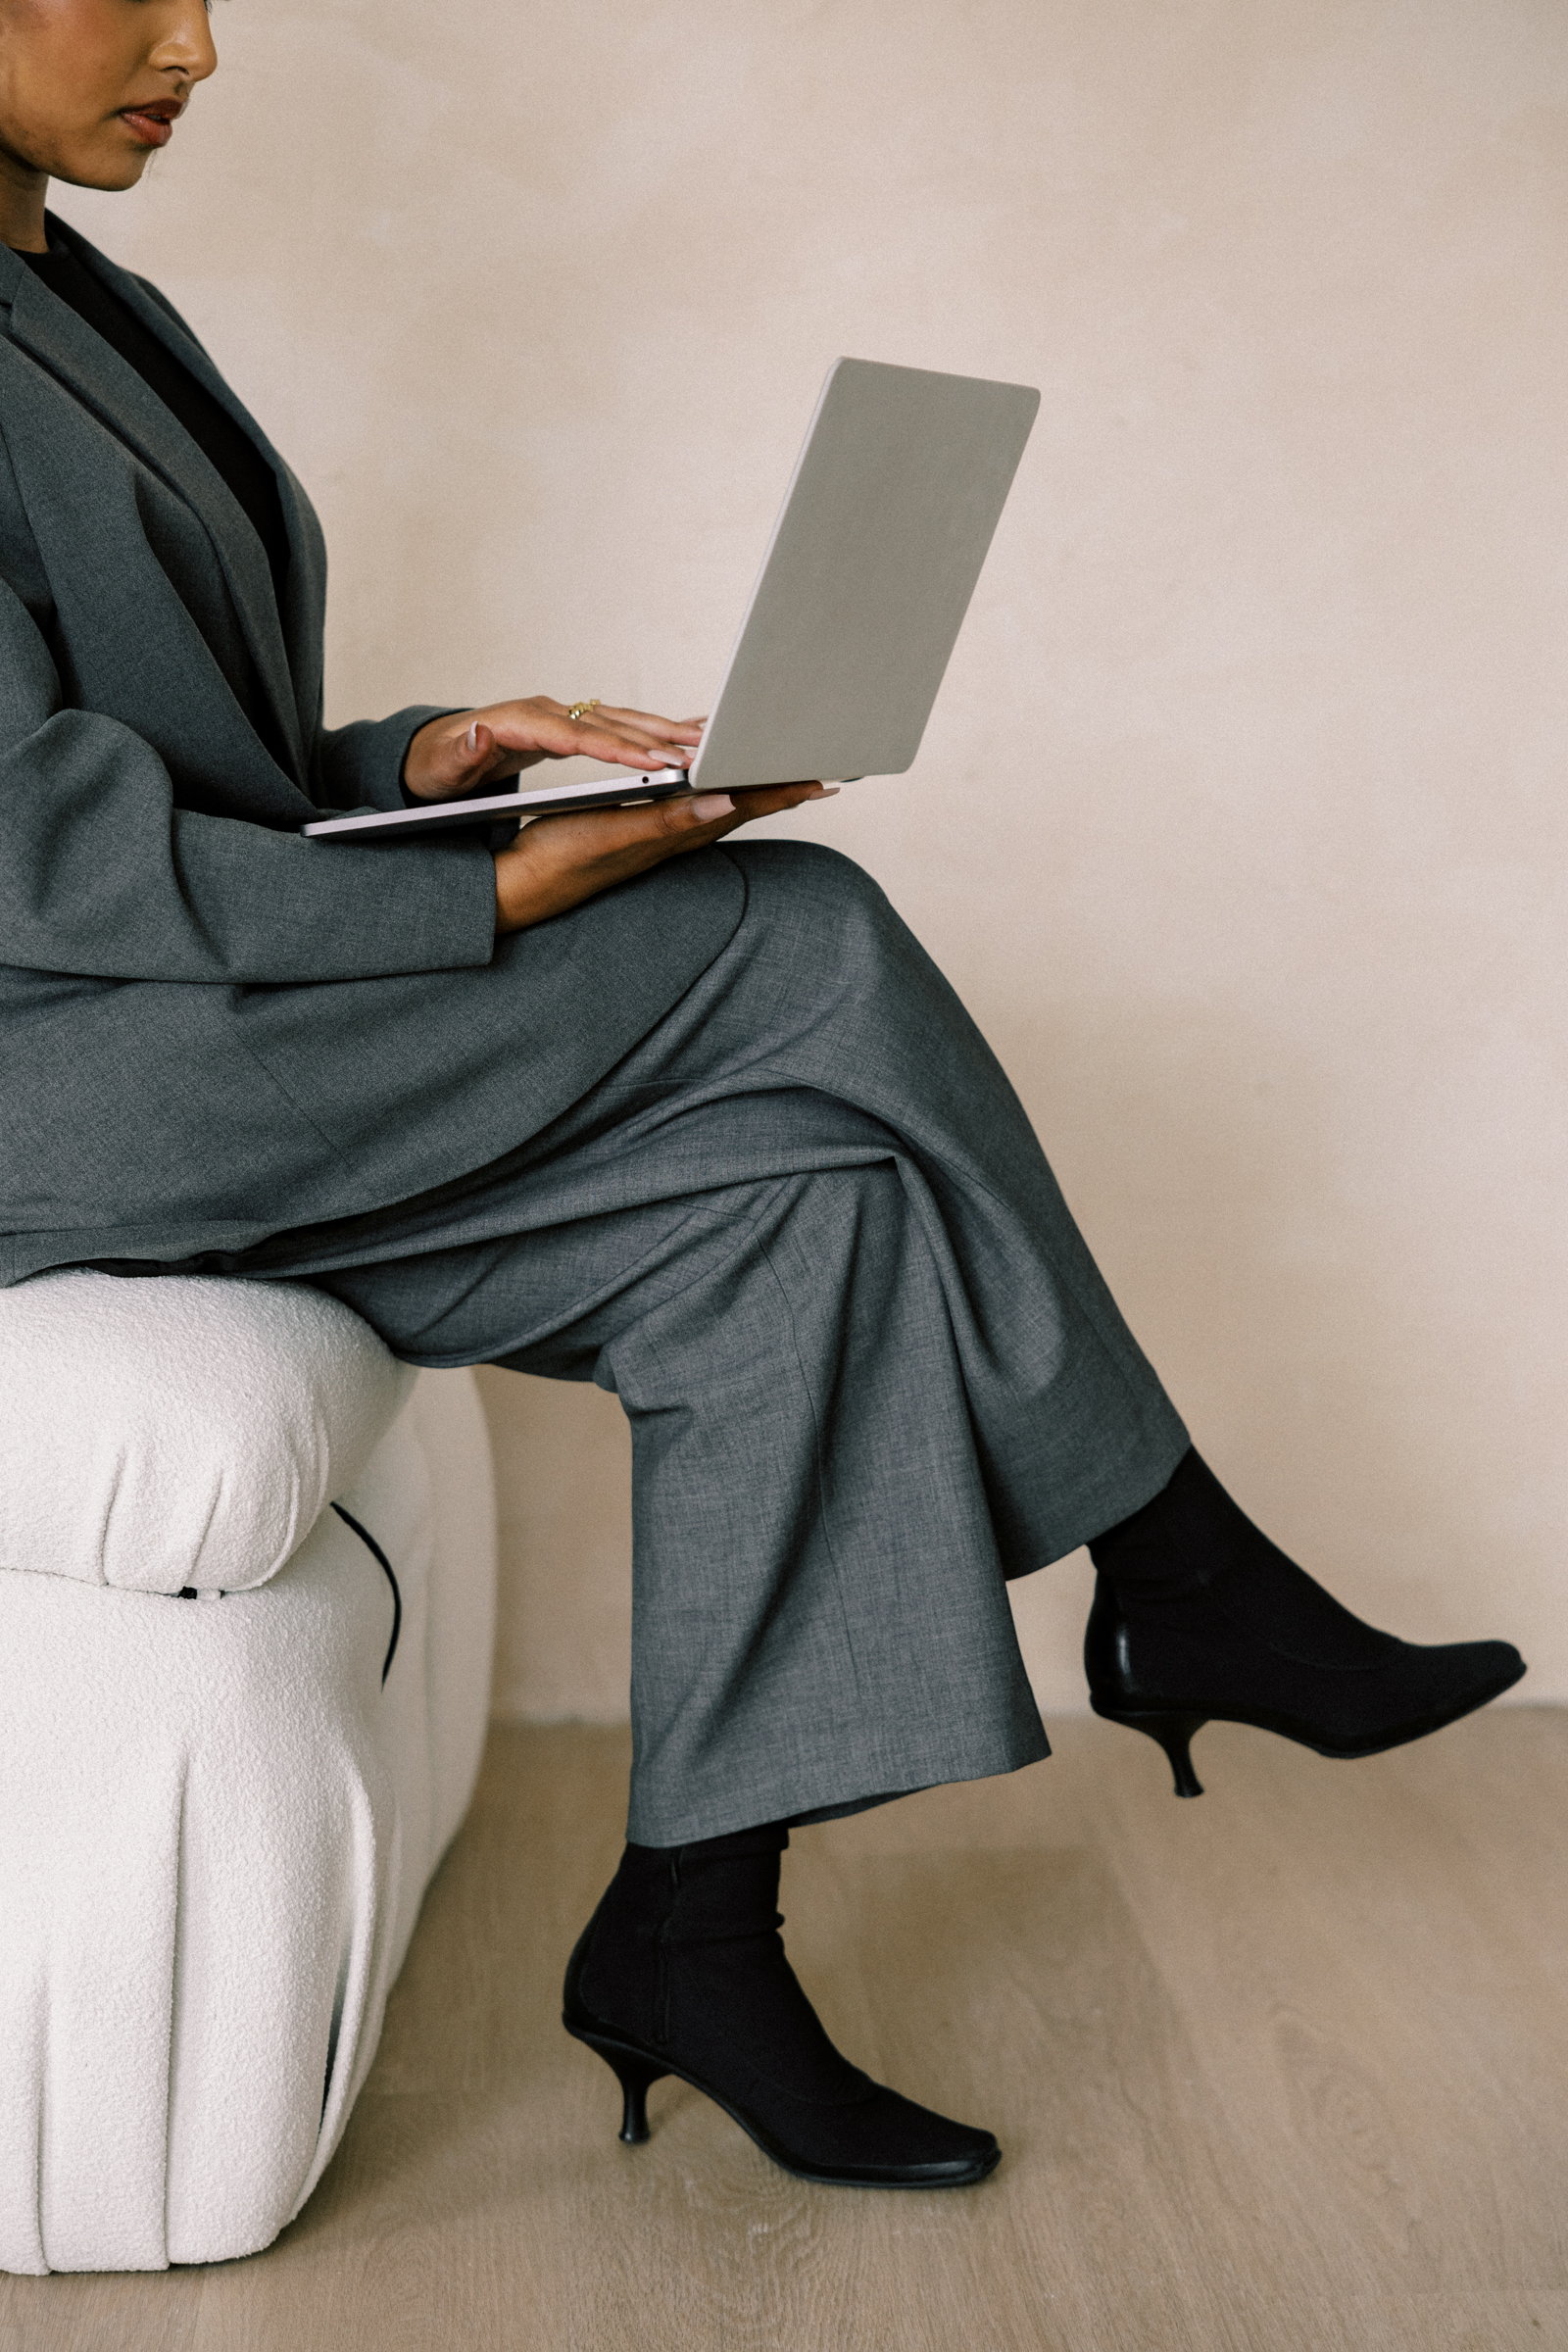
[(644, 727), (550, 730), (662, 730), (542, 726), (647, 730)]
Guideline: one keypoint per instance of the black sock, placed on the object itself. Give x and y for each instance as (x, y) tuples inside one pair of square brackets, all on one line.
[(687, 1955), (1192, 1557)]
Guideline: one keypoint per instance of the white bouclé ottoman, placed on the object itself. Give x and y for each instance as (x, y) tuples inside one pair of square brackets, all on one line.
[(216, 1817)]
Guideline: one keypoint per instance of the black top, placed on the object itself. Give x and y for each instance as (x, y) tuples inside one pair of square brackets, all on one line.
[(232, 453)]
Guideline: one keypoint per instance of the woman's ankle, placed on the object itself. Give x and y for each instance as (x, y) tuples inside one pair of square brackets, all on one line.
[(1193, 1562), (1183, 1539), (726, 1887)]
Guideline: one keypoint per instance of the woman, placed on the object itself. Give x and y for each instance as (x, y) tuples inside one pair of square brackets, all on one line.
[(629, 1101)]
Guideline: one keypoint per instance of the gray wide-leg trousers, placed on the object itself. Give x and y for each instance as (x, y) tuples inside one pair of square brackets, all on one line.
[(807, 1235)]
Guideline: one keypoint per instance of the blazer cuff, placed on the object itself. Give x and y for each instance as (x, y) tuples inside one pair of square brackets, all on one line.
[(362, 764), (435, 902)]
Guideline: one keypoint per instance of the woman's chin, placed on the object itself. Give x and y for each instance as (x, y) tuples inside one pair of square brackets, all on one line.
[(114, 172)]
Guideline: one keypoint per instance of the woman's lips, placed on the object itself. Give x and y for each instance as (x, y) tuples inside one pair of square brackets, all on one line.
[(153, 124)]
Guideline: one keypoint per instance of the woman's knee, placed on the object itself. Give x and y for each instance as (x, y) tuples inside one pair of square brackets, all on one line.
[(831, 932), (818, 888)]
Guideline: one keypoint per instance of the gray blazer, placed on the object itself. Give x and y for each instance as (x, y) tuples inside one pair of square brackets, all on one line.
[(212, 1029)]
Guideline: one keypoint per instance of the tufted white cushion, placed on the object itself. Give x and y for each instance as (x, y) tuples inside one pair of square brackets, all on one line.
[(217, 1821), (217, 1818), (163, 1433)]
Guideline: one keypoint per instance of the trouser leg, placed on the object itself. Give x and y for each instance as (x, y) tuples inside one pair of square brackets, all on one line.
[(825, 993), (823, 1035), (818, 1610), (806, 1230), (819, 1614)]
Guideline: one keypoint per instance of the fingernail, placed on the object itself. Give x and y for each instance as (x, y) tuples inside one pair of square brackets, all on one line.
[(709, 805), (825, 792), (471, 739)]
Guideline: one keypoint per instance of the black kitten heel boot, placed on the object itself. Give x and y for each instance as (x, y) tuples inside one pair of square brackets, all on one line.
[(681, 1972), (1199, 1618)]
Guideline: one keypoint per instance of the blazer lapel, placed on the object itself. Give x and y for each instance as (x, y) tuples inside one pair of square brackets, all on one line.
[(305, 588), (111, 387)]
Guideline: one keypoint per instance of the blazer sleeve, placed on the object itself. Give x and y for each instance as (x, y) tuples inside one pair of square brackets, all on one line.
[(102, 875), (361, 766)]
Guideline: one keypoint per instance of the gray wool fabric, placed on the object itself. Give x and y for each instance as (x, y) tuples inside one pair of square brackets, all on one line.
[(723, 1141), (200, 1010), (804, 1231)]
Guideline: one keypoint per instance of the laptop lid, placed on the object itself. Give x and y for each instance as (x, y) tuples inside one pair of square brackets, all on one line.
[(864, 588), (862, 593)]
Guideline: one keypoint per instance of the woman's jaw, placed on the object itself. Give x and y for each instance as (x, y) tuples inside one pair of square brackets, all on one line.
[(88, 90)]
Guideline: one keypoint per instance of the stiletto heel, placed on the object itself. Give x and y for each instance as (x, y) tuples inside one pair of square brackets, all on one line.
[(1114, 1694), (1174, 1734), (636, 2079), (636, 2076)]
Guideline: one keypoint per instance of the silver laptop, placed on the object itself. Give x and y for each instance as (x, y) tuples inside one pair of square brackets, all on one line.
[(856, 608)]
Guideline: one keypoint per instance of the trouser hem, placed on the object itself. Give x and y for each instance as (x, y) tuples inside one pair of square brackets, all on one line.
[(827, 1795), (1150, 1466)]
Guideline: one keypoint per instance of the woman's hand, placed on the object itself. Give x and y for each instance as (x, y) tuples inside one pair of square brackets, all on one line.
[(475, 747), (557, 862)]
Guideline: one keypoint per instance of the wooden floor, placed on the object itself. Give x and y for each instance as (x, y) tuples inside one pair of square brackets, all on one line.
[(1286, 2068)]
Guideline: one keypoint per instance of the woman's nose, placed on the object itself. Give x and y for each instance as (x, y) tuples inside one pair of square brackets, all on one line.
[(186, 46)]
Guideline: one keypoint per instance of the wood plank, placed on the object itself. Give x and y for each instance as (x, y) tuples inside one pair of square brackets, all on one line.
[(1282, 2071)]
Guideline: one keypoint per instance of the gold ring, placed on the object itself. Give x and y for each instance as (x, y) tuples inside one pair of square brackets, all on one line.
[(581, 709)]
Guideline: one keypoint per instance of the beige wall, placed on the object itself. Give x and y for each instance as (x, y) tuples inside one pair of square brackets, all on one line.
[(1241, 821)]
